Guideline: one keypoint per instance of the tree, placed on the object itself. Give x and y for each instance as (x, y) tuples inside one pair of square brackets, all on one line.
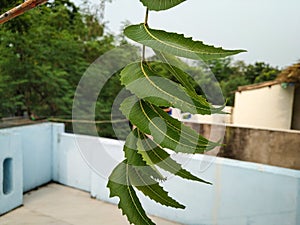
[(43, 55), (39, 61), (260, 72), (221, 68), (232, 74)]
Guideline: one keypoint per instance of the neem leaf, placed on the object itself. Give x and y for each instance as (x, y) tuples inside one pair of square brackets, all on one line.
[(166, 131), (169, 64), (154, 155), (176, 68), (159, 5), (150, 188), (142, 81), (129, 203), (175, 44), (136, 160), (139, 177)]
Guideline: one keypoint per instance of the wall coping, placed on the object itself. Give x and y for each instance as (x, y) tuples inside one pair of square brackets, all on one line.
[(242, 126)]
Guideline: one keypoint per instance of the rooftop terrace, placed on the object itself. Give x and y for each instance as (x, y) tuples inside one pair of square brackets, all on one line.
[(56, 204)]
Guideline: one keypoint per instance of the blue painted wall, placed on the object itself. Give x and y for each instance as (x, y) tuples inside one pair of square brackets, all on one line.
[(11, 176), (37, 142)]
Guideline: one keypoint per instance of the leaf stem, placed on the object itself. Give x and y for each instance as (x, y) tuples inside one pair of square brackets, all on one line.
[(146, 23), (146, 16)]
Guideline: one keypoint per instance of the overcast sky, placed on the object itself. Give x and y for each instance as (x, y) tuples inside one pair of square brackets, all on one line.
[(268, 29)]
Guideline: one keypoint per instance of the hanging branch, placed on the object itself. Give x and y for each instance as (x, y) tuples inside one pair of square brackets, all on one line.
[(20, 9), (152, 91)]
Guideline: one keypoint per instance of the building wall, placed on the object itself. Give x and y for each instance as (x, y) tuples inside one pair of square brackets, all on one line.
[(269, 107), (37, 145), (296, 110), (11, 171), (242, 192), (266, 146)]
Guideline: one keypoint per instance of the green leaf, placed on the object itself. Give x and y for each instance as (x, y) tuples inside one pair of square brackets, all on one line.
[(119, 185), (166, 131), (154, 155), (183, 78), (136, 160), (135, 172), (150, 188), (159, 5), (142, 81), (175, 44), (169, 62), (176, 68), (140, 177)]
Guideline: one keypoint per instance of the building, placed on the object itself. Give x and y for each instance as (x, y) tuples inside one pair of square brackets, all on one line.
[(272, 104)]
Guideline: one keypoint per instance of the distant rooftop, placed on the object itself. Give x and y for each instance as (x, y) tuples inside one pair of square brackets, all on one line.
[(290, 75), (257, 86)]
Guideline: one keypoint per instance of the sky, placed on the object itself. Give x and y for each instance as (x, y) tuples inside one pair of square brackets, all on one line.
[(268, 29)]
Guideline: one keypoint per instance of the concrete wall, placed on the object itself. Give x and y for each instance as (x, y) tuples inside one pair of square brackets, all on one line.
[(31, 150), (11, 177), (242, 193), (272, 147), (37, 142), (70, 167), (269, 107), (266, 146)]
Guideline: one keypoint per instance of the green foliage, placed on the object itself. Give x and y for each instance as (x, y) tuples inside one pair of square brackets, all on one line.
[(153, 155), (44, 53), (156, 85), (165, 130), (260, 72), (175, 44), (221, 68), (159, 5), (230, 86), (38, 63), (142, 81), (233, 74)]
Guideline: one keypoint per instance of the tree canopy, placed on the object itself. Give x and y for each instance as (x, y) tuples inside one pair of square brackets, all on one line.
[(43, 55), (232, 74)]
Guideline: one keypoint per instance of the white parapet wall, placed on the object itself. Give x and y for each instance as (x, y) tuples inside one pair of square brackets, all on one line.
[(242, 193), (11, 177), (37, 143)]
